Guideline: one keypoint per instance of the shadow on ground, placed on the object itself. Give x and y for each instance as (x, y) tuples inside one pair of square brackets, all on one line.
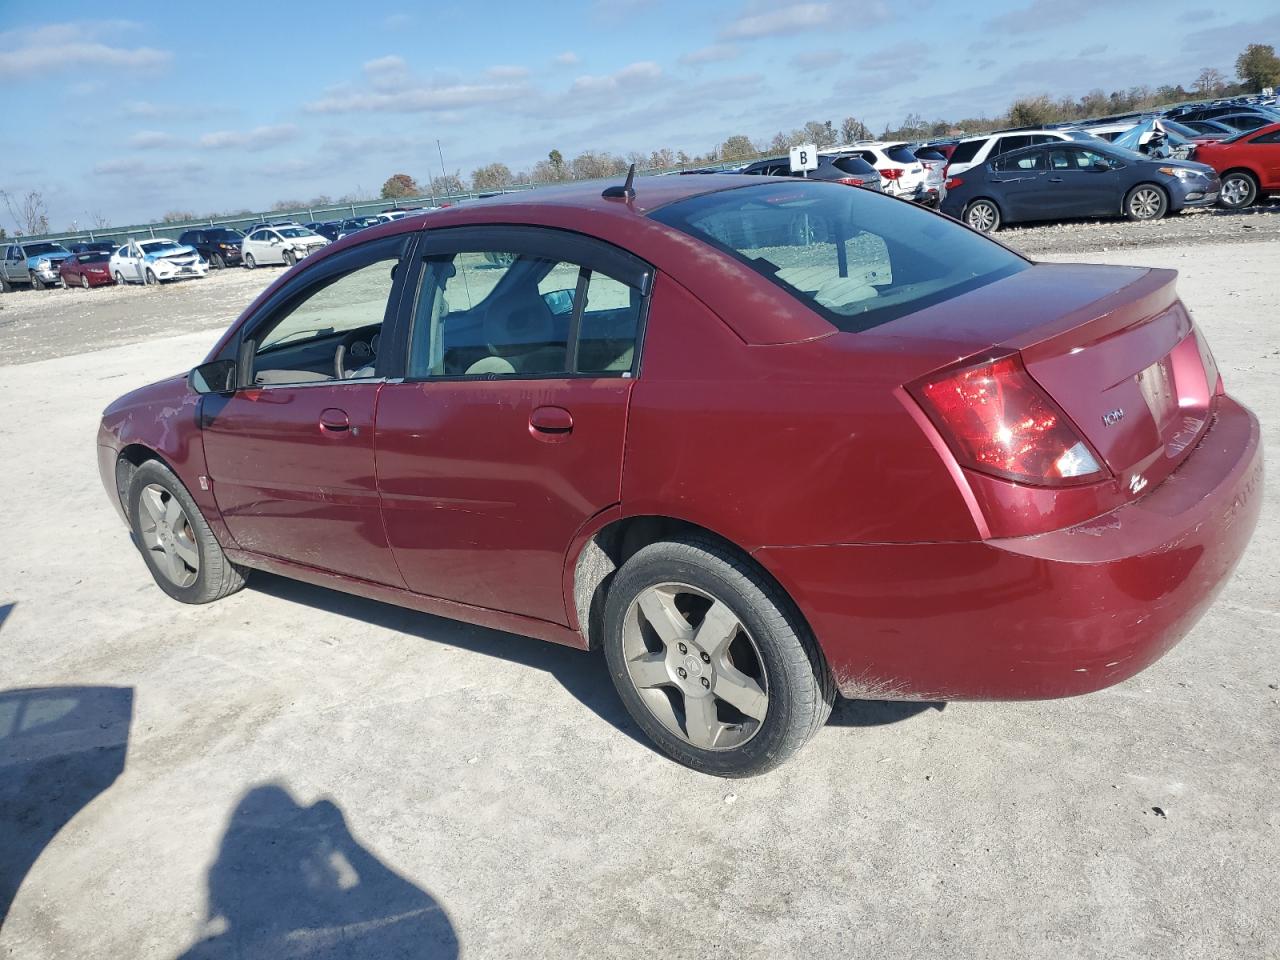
[(584, 675), (291, 881), (59, 748)]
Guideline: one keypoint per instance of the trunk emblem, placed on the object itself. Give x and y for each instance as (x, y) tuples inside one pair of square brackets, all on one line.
[(1137, 483), (1112, 417)]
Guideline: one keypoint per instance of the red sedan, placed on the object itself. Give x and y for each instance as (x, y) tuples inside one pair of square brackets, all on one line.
[(86, 270), (1249, 165), (760, 440)]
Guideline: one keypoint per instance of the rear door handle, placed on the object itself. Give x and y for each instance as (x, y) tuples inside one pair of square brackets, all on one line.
[(1055, 179), (334, 420), (550, 423)]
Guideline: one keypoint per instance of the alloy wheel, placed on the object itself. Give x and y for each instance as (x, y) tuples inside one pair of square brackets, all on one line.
[(168, 536), (695, 666), (982, 217), (1237, 191), (84, 280), (1146, 203)]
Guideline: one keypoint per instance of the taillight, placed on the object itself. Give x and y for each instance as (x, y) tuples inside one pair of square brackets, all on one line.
[(891, 173), (851, 181), (953, 182), (997, 420)]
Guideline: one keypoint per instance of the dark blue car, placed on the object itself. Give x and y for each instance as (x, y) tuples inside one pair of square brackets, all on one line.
[(1062, 180)]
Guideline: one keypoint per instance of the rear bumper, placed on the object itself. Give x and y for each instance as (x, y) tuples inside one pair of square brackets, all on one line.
[(1032, 618)]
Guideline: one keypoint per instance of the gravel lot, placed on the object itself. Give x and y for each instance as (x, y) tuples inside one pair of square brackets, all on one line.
[(294, 772)]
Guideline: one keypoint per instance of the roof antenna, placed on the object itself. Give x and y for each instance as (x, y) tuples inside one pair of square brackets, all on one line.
[(624, 192)]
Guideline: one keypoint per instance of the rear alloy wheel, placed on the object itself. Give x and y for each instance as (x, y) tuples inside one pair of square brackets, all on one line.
[(712, 660), (249, 262), (290, 258), (5, 285), (119, 279), (1146, 201), (983, 216), (180, 550), (84, 280), (1239, 190)]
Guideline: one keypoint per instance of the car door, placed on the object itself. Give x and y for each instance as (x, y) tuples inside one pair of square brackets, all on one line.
[(506, 435), (1019, 184), (10, 264), (290, 453), (1262, 153), (1083, 182)]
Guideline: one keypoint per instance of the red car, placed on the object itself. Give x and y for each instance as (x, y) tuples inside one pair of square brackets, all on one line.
[(86, 270), (761, 440), (1249, 165)]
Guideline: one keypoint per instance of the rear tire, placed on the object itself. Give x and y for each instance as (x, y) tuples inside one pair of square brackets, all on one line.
[(119, 279), (176, 543), (1146, 201), (1239, 190), (983, 216), (733, 707), (5, 285)]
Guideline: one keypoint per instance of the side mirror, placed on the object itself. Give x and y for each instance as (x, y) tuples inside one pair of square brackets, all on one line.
[(559, 302), (218, 376)]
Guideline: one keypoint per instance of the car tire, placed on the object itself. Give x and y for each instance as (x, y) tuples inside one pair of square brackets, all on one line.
[(36, 282), (62, 282), (983, 216), (249, 262), (5, 285), (119, 279), (736, 704), (151, 279), (1146, 201), (84, 281), (1239, 190), (216, 262), (175, 541), (289, 258)]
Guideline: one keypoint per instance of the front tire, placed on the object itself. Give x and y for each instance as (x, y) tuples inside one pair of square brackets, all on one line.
[(712, 659), (84, 280), (249, 262), (152, 280), (36, 283), (1146, 201), (176, 542), (289, 258), (983, 216), (1239, 190), (216, 262)]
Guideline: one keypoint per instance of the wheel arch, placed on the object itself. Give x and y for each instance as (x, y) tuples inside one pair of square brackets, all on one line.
[(609, 540), (1248, 171), (128, 460)]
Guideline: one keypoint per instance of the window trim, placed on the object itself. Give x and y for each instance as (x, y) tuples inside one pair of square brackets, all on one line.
[(386, 367), (552, 243)]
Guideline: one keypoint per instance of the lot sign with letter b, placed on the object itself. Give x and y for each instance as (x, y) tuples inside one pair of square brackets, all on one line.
[(804, 157)]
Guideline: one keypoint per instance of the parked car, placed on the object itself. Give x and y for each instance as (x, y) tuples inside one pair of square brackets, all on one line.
[(974, 151), (902, 174), (1249, 165), (1244, 122), (1217, 111), (285, 245), (354, 224), (850, 170), (34, 263), (329, 229), (156, 261), (86, 270), (935, 166), (220, 246), (1057, 181), (91, 246), (1210, 129), (959, 483)]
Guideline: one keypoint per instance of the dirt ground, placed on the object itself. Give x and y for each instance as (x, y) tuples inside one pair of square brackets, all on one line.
[(295, 772)]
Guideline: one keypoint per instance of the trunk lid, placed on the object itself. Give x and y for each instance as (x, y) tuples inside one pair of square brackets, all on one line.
[(1114, 347)]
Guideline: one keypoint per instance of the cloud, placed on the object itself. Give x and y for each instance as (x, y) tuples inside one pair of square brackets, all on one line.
[(794, 18), (418, 99), (895, 57), (808, 61), (133, 167), (1093, 50), (716, 53), (259, 138), (1042, 15), (73, 46), (566, 59), (504, 71), (1222, 44), (642, 74), (154, 140), (387, 73)]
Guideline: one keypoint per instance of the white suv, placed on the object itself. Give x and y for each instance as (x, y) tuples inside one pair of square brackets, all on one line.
[(975, 151), (902, 172)]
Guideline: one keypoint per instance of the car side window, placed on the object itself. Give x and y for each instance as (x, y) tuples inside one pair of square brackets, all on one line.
[(514, 315), (1272, 137), (1023, 162), (299, 341)]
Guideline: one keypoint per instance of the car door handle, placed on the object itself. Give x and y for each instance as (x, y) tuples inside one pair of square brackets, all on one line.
[(550, 423), (334, 420), (1055, 179)]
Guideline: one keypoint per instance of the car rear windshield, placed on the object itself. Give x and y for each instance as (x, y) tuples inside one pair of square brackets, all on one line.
[(900, 154), (857, 258), (966, 151), (854, 165)]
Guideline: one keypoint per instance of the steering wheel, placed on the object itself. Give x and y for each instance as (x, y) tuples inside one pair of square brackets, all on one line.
[(357, 346)]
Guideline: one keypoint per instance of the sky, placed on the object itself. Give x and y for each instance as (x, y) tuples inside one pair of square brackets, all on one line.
[(209, 109)]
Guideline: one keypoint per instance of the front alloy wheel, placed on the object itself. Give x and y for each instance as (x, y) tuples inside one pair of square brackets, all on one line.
[(166, 533)]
